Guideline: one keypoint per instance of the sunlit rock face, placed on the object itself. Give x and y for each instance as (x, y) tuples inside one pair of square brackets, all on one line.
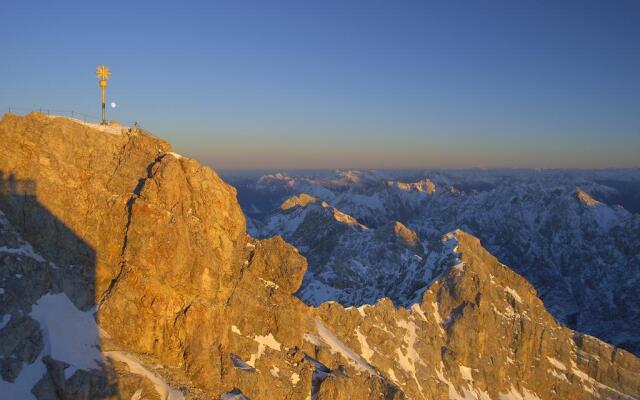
[(161, 294)]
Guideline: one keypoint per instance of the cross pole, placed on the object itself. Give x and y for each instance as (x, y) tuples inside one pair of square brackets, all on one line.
[(103, 74)]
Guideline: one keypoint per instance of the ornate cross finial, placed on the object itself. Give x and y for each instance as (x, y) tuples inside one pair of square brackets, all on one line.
[(103, 73)]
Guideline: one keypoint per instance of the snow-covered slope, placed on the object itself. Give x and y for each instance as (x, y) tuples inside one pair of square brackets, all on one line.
[(350, 262), (563, 230)]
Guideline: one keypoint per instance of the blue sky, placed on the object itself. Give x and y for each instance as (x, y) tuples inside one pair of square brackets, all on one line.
[(344, 84)]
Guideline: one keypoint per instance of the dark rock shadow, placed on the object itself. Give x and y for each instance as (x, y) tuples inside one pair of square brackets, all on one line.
[(48, 335)]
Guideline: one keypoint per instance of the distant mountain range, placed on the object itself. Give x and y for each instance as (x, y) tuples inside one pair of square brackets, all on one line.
[(575, 235)]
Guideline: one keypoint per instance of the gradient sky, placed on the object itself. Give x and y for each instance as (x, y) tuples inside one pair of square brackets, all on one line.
[(344, 84)]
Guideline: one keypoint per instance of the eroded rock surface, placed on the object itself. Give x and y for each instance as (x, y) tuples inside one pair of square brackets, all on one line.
[(187, 305)]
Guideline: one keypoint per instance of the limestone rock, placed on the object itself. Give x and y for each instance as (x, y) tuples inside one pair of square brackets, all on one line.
[(187, 305)]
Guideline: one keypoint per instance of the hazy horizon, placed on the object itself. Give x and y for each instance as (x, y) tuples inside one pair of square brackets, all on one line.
[(420, 170), (357, 85)]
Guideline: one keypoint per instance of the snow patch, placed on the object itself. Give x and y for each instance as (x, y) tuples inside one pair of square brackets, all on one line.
[(514, 394), (453, 393), (5, 321), (362, 309), (263, 343), (562, 377), (415, 308), (513, 293), (392, 376), (410, 358), (268, 341), (313, 339), (556, 363), (465, 372), (69, 335), (436, 314), (25, 250), (115, 129), (235, 330), (137, 395), (366, 351), (508, 312), (162, 388), (21, 387), (336, 346), (269, 284)]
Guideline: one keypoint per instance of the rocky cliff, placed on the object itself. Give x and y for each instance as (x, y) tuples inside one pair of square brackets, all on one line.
[(126, 273)]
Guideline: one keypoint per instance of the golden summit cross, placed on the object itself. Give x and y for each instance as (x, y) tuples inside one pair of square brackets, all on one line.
[(103, 74)]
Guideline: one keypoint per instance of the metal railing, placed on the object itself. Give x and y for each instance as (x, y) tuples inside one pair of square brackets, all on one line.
[(88, 118)]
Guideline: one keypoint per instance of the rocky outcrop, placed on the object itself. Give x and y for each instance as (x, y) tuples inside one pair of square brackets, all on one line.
[(189, 306), (301, 200)]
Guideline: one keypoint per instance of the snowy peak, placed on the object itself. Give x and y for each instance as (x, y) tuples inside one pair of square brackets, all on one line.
[(405, 235), (357, 177), (580, 253), (479, 332), (482, 294), (585, 198), (308, 212), (349, 176), (470, 255), (278, 176), (345, 218), (426, 186), (302, 200)]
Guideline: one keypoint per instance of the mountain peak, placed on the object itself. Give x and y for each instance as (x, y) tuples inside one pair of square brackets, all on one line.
[(426, 186), (406, 235), (585, 198), (470, 255), (301, 200), (477, 313), (347, 219), (483, 294)]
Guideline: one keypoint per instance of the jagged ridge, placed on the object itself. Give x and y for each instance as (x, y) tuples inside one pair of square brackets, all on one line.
[(215, 307)]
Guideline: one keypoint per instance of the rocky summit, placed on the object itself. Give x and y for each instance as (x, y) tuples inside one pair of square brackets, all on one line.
[(126, 272)]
